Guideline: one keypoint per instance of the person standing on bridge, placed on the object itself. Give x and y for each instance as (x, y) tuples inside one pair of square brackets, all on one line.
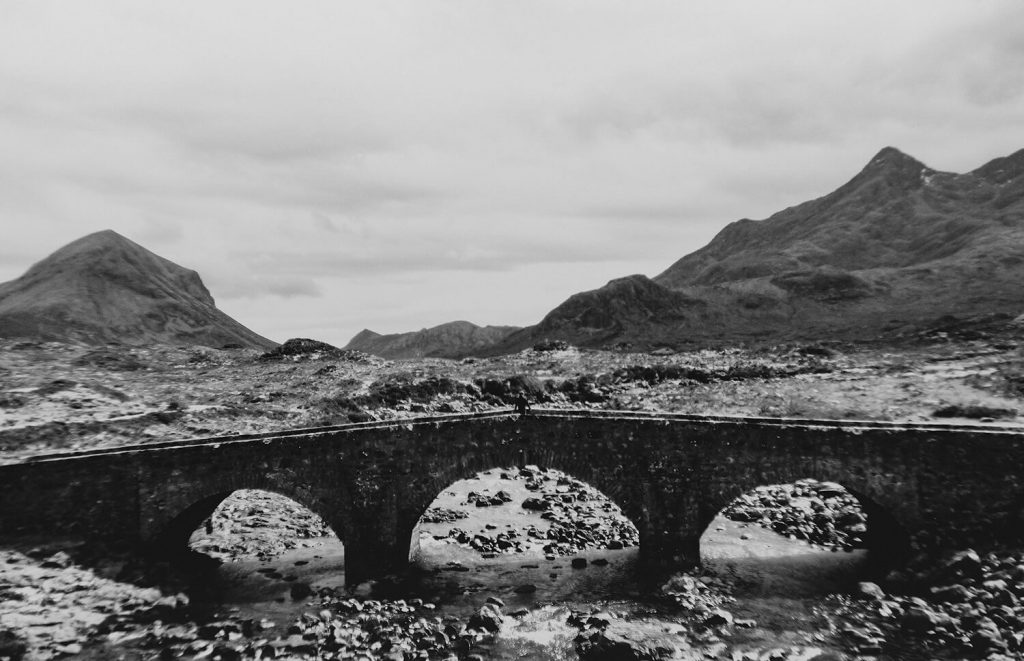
[(522, 404)]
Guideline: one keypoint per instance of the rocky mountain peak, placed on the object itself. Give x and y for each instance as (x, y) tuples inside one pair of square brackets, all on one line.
[(104, 287), (890, 156), (894, 166), (365, 335)]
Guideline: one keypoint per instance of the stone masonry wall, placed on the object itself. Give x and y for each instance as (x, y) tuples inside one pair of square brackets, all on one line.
[(670, 475)]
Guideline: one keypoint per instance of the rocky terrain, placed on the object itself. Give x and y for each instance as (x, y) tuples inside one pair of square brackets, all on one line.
[(106, 288), (252, 523), (56, 396)]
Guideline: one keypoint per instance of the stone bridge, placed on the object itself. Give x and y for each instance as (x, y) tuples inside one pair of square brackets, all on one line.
[(670, 474)]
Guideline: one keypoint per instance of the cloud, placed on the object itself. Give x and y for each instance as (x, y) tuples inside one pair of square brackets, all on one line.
[(257, 287)]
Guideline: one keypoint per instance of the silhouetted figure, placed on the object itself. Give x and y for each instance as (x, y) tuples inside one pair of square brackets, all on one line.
[(522, 404)]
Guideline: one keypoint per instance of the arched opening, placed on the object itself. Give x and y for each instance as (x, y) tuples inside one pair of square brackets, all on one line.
[(806, 537), (255, 552), (527, 533)]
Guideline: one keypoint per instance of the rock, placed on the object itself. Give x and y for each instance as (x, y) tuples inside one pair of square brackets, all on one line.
[(300, 591), (951, 594), (11, 646), (987, 638), (488, 618), (871, 591), (227, 653), (918, 619), (528, 588), (59, 560), (296, 644), (611, 646), (718, 617), (536, 504), (579, 563), (965, 563)]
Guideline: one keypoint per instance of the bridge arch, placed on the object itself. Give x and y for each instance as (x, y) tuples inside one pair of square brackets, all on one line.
[(424, 489), (548, 480), (887, 537), (169, 530)]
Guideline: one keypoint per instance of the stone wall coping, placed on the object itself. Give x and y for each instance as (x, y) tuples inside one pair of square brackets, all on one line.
[(652, 416)]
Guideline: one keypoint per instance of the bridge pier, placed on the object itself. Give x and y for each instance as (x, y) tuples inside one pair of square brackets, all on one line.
[(368, 556), (665, 553)]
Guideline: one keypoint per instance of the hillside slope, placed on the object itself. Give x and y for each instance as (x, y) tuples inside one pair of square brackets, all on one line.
[(898, 246), (456, 338), (106, 288)]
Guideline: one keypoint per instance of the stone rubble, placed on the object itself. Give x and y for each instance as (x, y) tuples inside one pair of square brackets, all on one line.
[(822, 513), (579, 518), (964, 606), (254, 523)]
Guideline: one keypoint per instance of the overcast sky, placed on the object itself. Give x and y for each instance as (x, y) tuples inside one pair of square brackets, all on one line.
[(330, 166)]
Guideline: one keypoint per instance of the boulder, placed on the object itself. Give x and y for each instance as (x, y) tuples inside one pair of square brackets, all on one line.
[(610, 646), (536, 504), (11, 646), (489, 618), (919, 619), (870, 591), (717, 618), (965, 563), (951, 593)]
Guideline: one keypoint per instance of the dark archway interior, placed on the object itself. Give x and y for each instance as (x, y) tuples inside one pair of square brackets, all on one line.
[(174, 538), (886, 539)]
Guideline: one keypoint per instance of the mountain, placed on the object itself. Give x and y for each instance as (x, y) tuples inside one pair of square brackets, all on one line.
[(625, 310), (895, 248), (454, 339), (106, 288)]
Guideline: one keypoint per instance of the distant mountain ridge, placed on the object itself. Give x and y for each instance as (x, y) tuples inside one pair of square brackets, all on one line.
[(106, 288), (453, 339), (898, 245)]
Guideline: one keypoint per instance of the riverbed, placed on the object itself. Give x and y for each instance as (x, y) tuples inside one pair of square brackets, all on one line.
[(776, 587)]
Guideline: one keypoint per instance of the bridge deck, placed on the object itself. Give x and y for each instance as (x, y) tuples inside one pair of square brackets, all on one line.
[(805, 423)]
